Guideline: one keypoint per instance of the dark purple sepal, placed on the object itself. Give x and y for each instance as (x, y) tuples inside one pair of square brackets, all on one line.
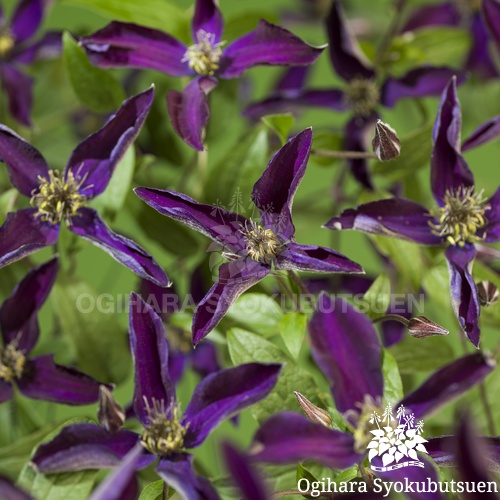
[(26, 19), (164, 301), (48, 47), (449, 170), (23, 234), (345, 53), (128, 45), (19, 90), (177, 471), (288, 437), (491, 16), (9, 491), (294, 77), (215, 222), (176, 365), (463, 289), (396, 217), (442, 14), (150, 356), (345, 346), (18, 313), (425, 81), (94, 160), (492, 215), (273, 193), (207, 17), (5, 391), (448, 383), (88, 224), (189, 111), (86, 446), (234, 278), (223, 394), (486, 132), (24, 162), (268, 44)]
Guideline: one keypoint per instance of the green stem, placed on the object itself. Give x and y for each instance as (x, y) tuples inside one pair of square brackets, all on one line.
[(399, 6), (487, 409), (284, 287), (347, 155), (302, 287), (391, 317)]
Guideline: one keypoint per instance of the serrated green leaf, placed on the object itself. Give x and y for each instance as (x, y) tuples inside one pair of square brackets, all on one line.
[(280, 124), (96, 88), (292, 329), (377, 298), (393, 386)]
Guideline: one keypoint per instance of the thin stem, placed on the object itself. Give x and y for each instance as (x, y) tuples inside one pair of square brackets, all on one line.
[(399, 6), (348, 155), (202, 170), (302, 287), (487, 409), (284, 287), (164, 495), (364, 473), (392, 317)]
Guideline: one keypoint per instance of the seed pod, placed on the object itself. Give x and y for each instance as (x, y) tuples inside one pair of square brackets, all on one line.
[(421, 327), (386, 145), (487, 292), (110, 414), (312, 411)]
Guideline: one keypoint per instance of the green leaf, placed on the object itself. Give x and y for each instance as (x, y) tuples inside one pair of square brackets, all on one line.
[(393, 386), (96, 88), (154, 491), (244, 22), (7, 200), (246, 347), (96, 336), (377, 298), (281, 124), (303, 473), (326, 141), (292, 329)]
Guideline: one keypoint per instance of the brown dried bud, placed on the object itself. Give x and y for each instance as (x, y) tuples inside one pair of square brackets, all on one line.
[(386, 145), (110, 414), (421, 327), (487, 292), (312, 411)]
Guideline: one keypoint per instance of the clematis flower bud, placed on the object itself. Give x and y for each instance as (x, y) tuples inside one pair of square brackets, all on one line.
[(487, 292), (386, 145), (109, 413), (421, 327), (312, 411)]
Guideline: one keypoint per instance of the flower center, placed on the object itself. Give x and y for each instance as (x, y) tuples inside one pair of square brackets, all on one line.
[(204, 56), (262, 244), (6, 42), (163, 435), (362, 96), (461, 216), (12, 362), (58, 198), (467, 8), (365, 421)]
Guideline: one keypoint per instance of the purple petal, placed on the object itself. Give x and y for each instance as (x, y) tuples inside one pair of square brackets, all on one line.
[(289, 438), (26, 19), (44, 379), (128, 45), (292, 78), (268, 44), (177, 471), (176, 366), (491, 16), (5, 391), (464, 298), (48, 47), (486, 132), (249, 484), (208, 17), (346, 348), (94, 160), (396, 217), (150, 354), (18, 88), (204, 359), (345, 53), (448, 383), (91, 227), (189, 111), (316, 259), (234, 278), (24, 162), (8, 491), (273, 193), (22, 234), (426, 81), (18, 314), (215, 222), (492, 215), (443, 14), (449, 170), (119, 484), (86, 446), (223, 394)]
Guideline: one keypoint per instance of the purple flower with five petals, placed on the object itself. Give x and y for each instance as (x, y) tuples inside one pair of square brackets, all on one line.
[(128, 45), (464, 217), (58, 197), (363, 94), (17, 48), (254, 250), (166, 434), (38, 377)]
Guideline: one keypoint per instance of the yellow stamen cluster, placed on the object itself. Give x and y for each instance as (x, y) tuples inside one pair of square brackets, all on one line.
[(6, 42), (364, 423), (57, 198), (362, 96), (204, 56), (12, 362), (461, 216), (163, 435), (262, 244)]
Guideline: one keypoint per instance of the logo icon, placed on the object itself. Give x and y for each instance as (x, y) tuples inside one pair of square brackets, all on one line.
[(396, 440)]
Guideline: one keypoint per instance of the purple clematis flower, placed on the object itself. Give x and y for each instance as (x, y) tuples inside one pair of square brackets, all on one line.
[(254, 249), (166, 434), (9, 491), (58, 197), (128, 45), (16, 48), (363, 93), (481, 17), (464, 216), (38, 377)]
